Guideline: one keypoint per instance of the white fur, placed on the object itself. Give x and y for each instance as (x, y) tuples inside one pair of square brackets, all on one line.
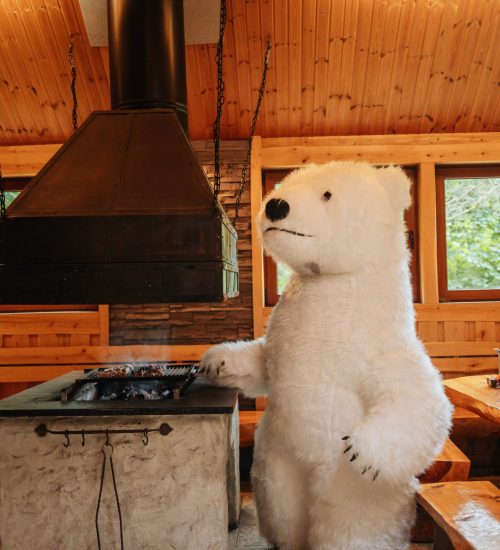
[(340, 358)]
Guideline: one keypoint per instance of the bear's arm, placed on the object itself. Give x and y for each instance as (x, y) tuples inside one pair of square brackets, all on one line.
[(239, 365), (407, 424)]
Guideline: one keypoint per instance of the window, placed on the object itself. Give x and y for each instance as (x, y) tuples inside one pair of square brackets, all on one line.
[(13, 186), (468, 232), (276, 276)]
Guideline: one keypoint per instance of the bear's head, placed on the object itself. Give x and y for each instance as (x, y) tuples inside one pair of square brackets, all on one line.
[(339, 217)]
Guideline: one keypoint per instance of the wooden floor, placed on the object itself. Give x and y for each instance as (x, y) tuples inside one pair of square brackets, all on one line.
[(247, 537)]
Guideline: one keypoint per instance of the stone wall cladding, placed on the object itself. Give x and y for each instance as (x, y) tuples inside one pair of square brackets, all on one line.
[(198, 323)]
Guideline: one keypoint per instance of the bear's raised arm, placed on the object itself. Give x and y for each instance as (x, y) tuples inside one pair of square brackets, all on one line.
[(238, 365), (406, 429)]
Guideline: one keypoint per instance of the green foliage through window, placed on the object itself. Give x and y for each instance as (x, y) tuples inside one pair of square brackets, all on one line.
[(473, 233), (10, 196)]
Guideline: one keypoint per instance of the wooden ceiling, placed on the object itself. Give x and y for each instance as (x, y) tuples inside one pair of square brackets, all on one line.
[(338, 67)]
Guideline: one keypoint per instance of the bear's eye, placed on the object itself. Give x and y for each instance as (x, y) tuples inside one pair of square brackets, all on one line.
[(327, 196)]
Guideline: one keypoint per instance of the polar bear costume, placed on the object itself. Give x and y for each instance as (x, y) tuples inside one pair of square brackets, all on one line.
[(355, 407)]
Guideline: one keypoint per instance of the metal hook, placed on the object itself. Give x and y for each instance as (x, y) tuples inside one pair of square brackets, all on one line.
[(145, 438), (83, 438), (67, 442)]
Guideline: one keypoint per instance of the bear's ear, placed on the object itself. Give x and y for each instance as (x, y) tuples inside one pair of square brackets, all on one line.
[(397, 186)]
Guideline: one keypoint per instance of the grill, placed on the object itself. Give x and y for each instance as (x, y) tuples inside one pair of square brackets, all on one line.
[(132, 381)]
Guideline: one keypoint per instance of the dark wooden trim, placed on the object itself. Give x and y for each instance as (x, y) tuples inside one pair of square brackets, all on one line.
[(443, 172), (15, 184)]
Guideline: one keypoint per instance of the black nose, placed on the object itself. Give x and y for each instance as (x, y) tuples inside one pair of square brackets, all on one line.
[(277, 209)]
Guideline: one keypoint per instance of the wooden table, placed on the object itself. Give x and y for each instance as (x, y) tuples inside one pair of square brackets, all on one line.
[(474, 394)]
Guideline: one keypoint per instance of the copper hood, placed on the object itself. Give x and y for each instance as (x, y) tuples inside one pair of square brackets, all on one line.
[(123, 212)]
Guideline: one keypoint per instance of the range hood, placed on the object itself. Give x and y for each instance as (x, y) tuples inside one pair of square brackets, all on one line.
[(123, 212)]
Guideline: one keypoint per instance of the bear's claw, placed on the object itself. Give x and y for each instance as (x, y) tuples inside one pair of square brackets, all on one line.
[(348, 449)]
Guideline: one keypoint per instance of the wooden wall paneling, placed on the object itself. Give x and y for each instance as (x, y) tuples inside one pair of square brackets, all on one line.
[(427, 331), (454, 331), (423, 72), (257, 257), (485, 331), (470, 331), (456, 311), (307, 67), (427, 232), (103, 325), (342, 103), (25, 160)]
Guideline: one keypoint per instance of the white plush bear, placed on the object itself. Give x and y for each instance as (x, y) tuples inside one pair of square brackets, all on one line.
[(355, 407)]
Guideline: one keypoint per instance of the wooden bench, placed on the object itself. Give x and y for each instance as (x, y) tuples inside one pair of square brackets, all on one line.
[(450, 465), (467, 514)]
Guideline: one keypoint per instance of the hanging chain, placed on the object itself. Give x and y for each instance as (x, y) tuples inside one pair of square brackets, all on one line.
[(3, 202), (74, 114), (246, 162), (220, 98)]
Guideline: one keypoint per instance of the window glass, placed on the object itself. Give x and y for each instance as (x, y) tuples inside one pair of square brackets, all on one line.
[(10, 196), (472, 225)]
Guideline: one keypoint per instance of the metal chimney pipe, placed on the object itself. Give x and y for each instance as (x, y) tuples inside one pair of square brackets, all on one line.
[(147, 57)]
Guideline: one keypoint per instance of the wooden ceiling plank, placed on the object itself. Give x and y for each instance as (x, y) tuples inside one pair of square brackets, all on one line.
[(231, 126), (429, 47), (439, 66), (294, 66), (455, 48), (58, 36), (333, 84), (415, 45), (477, 109), (348, 38), (460, 69), (321, 66), (207, 70), (256, 53), (371, 102), (89, 57), (395, 90), (104, 53), (360, 64), (489, 22), (270, 102), (281, 59), (377, 116), (54, 76), (492, 78), (17, 116), (197, 90), (307, 66), (16, 19), (243, 42)]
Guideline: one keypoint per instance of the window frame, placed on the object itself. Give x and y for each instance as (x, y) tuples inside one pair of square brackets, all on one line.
[(457, 171), (273, 176)]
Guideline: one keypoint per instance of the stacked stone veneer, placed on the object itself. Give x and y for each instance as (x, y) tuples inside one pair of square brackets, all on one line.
[(200, 322)]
